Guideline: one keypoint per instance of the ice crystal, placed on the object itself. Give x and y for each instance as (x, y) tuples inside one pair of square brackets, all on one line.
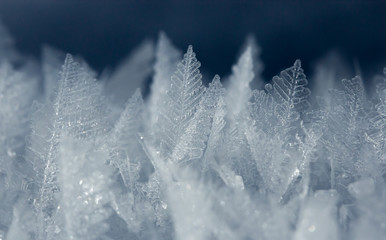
[(186, 161)]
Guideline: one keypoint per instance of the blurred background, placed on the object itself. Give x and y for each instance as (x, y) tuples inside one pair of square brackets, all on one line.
[(352, 33)]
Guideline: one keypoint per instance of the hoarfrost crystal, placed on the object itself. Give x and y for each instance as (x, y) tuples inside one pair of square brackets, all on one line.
[(186, 161)]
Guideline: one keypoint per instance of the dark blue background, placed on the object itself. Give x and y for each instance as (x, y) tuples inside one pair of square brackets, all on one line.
[(105, 31)]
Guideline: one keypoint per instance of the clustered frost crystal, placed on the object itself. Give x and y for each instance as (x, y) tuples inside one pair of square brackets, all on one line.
[(189, 161)]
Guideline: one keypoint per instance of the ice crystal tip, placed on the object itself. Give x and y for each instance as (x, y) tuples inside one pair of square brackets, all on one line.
[(251, 40), (163, 39), (248, 50), (216, 79), (190, 50), (357, 79), (216, 82), (246, 57), (268, 87), (298, 64), (162, 35), (137, 93), (69, 58)]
